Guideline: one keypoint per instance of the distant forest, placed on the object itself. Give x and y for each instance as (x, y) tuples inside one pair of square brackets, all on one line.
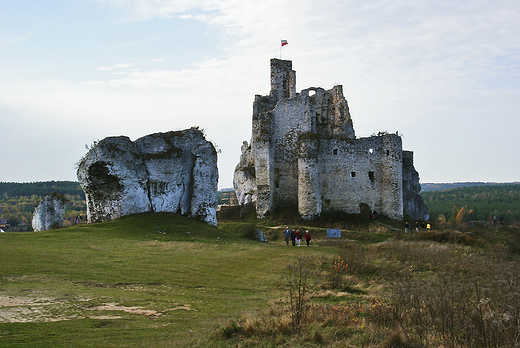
[(475, 202), (465, 202), (450, 185), (18, 200)]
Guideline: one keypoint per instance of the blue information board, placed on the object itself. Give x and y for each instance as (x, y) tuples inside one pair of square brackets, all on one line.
[(333, 233)]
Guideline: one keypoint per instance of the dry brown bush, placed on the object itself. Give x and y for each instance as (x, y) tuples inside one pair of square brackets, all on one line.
[(432, 295)]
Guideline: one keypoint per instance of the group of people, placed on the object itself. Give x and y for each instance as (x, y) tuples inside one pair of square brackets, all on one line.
[(295, 236), (408, 226)]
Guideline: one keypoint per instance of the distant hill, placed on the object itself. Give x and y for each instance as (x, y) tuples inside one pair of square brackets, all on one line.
[(42, 188), (425, 187)]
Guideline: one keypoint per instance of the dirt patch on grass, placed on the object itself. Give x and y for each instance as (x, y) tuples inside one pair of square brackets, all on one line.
[(137, 310), (116, 307), (15, 309), (32, 309)]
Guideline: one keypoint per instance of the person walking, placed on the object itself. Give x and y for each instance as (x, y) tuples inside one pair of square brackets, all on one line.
[(307, 237), (406, 227), (293, 237), (287, 235), (298, 237)]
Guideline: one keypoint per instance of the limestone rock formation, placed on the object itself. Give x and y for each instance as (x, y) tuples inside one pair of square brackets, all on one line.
[(260, 235), (49, 214), (413, 203), (163, 172), (244, 181)]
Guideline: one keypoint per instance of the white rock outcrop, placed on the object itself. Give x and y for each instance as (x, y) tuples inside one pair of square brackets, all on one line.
[(172, 172), (49, 214)]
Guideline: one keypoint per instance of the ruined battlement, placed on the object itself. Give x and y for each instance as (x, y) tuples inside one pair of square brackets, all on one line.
[(304, 152)]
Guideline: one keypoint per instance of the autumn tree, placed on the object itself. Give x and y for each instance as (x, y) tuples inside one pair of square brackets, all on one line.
[(460, 215), (453, 215)]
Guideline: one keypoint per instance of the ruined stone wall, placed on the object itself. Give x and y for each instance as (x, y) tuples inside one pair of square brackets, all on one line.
[(291, 119), (392, 185), (358, 171), (264, 175), (304, 152), (309, 179)]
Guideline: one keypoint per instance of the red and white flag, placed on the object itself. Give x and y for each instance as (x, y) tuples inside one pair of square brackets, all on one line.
[(284, 42)]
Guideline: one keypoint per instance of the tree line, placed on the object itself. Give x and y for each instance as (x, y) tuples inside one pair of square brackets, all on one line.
[(475, 203), (462, 204)]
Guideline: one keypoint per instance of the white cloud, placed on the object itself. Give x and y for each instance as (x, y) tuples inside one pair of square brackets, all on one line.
[(147, 9), (125, 65)]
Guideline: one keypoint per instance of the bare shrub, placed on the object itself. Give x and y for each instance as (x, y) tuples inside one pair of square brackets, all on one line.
[(250, 231), (453, 237), (473, 302), (358, 259), (296, 277), (377, 228)]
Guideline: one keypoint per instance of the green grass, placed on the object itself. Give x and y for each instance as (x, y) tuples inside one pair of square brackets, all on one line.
[(163, 280), (195, 277)]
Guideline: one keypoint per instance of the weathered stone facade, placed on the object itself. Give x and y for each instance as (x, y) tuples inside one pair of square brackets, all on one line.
[(172, 172), (304, 152), (48, 215)]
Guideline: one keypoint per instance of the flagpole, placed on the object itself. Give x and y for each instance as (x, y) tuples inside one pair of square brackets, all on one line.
[(282, 43)]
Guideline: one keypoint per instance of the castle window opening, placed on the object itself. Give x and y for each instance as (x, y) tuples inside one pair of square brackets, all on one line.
[(371, 151), (312, 92), (352, 174), (388, 152), (335, 152), (371, 175)]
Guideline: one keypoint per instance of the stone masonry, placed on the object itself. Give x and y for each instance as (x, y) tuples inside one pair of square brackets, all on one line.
[(304, 152)]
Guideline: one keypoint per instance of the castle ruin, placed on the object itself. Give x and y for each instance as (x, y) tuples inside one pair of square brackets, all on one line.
[(304, 152)]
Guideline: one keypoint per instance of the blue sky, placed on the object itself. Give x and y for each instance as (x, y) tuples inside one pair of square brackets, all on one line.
[(445, 74)]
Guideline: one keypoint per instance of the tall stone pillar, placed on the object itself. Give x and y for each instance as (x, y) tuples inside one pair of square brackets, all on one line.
[(264, 179), (392, 169), (309, 181)]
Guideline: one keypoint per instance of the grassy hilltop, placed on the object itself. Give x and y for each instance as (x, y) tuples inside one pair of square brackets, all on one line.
[(163, 280)]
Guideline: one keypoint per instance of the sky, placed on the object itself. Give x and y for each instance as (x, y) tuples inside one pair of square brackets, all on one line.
[(444, 74)]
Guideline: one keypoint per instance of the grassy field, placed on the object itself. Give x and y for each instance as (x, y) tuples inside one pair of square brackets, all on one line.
[(162, 280), (122, 283)]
